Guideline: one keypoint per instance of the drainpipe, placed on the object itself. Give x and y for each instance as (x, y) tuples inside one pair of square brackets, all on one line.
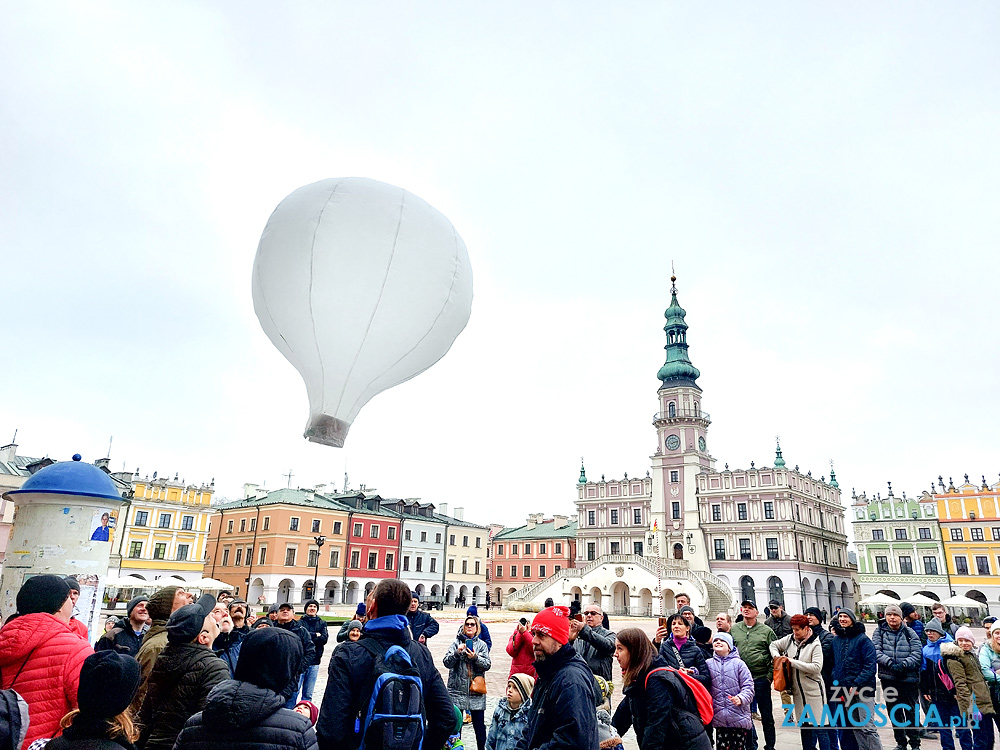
[(399, 548), (253, 551), (444, 569), (347, 555)]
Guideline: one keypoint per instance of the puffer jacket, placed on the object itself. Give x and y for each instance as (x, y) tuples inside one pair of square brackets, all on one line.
[(989, 664), (178, 688), (508, 728), (459, 678), (806, 660), (519, 647), (730, 676), (968, 678), (49, 657), (597, 647), (691, 656), (123, 640), (930, 680), (898, 652), (754, 647), (563, 712), (663, 711), (242, 716), (854, 659)]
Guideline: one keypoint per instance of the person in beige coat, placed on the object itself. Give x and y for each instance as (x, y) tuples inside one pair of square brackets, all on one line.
[(804, 651)]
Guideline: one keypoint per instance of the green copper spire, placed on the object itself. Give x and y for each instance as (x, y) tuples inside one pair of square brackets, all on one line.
[(583, 474), (833, 478), (677, 370), (779, 462)]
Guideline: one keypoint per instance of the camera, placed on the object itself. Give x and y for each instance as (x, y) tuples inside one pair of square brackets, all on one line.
[(523, 621)]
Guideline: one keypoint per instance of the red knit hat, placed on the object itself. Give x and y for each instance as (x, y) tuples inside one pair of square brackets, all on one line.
[(554, 622)]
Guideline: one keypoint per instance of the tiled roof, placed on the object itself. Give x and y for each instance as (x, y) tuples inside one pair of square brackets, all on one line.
[(545, 530)]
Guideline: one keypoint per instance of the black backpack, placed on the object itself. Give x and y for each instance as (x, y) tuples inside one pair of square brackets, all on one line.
[(393, 716)]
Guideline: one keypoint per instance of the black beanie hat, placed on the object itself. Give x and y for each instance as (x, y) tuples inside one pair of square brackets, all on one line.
[(161, 602), (269, 658), (815, 612), (108, 681), (907, 609), (72, 583), (702, 634), (42, 594), (134, 602)]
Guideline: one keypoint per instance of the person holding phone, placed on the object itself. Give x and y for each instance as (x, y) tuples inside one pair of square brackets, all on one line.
[(680, 651), (519, 648), (468, 658)]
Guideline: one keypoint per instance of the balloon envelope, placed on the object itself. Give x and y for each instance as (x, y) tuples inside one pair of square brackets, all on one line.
[(360, 285)]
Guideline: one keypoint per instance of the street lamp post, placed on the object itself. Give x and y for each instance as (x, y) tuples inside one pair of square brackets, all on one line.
[(320, 541)]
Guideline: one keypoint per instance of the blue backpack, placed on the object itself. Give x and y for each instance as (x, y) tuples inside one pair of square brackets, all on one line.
[(393, 718)]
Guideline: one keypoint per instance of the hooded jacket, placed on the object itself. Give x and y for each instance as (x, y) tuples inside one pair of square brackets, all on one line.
[(48, 655), (899, 653), (663, 712), (349, 685), (854, 658), (178, 688), (968, 678), (508, 727), (806, 661), (562, 712), (730, 676), (930, 680), (522, 656), (597, 647), (248, 713), (463, 670), (153, 643)]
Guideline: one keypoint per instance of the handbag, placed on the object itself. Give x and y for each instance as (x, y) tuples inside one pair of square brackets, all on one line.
[(477, 684), (782, 674)]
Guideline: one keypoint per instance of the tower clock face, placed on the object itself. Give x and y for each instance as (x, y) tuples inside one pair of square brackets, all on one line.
[(701, 444), (673, 443)]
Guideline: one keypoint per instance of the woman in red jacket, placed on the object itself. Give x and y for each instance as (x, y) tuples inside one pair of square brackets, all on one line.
[(519, 648)]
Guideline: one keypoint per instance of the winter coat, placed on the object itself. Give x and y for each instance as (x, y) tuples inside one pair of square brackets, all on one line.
[(422, 624), (898, 652), (781, 626), (854, 657), (309, 654), (153, 643), (597, 647), (318, 630), (826, 640), (730, 676), (989, 665), (806, 661), (521, 653), (754, 647), (230, 655), (968, 678), (930, 679), (463, 670), (123, 640), (344, 631), (79, 628), (88, 733), (48, 656), (484, 632), (13, 719), (508, 728), (918, 627), (178, 688), (241, 716), (663, 712), (350, 681), (562, 715), (691, 656)]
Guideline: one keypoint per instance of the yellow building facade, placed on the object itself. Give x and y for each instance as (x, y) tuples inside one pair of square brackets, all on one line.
[(969, 516), (164, 531)]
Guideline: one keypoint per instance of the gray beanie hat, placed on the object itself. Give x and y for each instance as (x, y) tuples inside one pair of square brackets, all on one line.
[(935, 625), (849, 613), (893, 609)]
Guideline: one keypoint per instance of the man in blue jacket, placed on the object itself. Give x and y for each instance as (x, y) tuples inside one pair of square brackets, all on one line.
[(854, 663), (350, 678), (422, 625)]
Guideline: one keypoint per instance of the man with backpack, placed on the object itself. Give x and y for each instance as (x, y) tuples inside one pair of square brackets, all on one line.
[(898, 651), (385, 659)]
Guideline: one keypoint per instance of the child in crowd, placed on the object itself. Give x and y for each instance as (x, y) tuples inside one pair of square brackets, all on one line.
[(455, 741), (510, 720), (308, 709), (732, 693)]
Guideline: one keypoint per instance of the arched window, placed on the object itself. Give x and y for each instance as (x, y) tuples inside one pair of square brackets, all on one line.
[(671, 409), (747, 589), (774, 589), (678, 551), (697, 408)]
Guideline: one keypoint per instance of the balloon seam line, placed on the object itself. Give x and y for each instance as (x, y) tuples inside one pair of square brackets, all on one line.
[(312, 316)]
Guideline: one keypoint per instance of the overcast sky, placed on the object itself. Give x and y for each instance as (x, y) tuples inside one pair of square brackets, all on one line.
[(825, 178)]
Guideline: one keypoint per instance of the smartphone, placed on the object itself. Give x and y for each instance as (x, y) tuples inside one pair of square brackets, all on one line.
[(663, 622)]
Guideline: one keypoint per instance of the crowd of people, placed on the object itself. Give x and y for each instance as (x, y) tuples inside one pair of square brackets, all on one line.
[(179, 672)]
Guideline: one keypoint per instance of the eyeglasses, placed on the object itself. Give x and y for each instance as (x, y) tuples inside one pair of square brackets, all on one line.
[(592, 614)]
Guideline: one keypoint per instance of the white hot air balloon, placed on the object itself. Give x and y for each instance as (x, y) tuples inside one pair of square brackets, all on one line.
[(361, 285)]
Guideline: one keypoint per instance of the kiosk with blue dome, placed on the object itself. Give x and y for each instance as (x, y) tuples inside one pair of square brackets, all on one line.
[(62, 522)]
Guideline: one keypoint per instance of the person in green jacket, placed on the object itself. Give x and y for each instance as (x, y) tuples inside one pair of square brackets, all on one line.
[(752, 639)]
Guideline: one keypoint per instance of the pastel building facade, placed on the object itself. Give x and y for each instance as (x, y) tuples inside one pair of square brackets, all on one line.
[(970, 529), (531, 553)]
